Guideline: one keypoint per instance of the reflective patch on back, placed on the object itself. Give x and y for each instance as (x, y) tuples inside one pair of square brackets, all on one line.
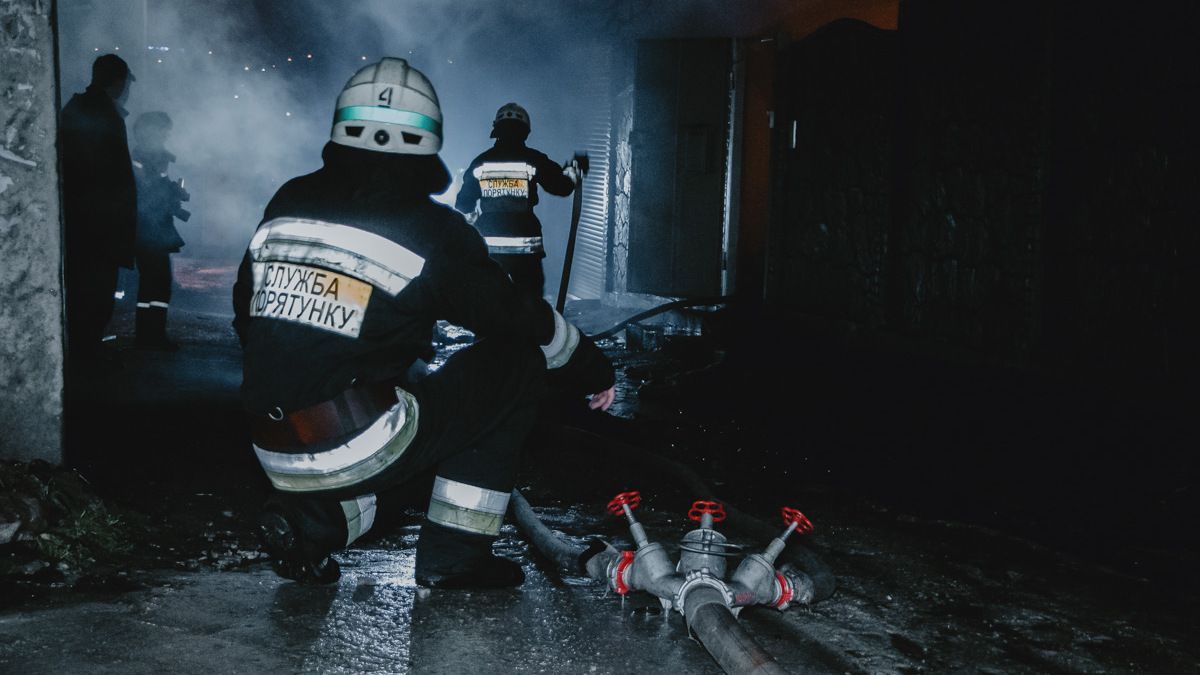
[(504, 179), (310, 296)]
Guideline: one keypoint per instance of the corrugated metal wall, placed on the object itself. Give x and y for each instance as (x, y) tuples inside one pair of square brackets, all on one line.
[(588, 273)]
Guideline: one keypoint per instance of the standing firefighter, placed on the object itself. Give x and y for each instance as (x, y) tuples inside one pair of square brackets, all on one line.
[(99, 202), (160, 202), (503, 182), (338, 295)]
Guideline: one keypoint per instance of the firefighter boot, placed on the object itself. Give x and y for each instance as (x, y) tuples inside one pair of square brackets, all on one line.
[(293, 555), (448, 558), (150, 330)]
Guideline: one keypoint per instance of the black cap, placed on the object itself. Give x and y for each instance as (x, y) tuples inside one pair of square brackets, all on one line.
[(110, 69)]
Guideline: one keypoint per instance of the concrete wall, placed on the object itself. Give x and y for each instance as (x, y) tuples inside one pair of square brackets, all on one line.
[(31, 288)]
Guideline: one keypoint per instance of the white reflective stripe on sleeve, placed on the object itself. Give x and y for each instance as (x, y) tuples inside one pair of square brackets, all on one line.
[(162, 305), (357, 253), (514, 244), (504, 170), (370, 452), (143, 305), (562, 345), (360, 516), (467, 507)]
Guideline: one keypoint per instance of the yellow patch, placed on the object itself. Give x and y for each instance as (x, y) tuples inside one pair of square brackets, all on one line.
[(311, 296)]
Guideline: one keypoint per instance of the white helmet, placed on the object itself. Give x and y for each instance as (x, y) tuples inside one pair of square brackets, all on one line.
[(389, 107), (512, 111)]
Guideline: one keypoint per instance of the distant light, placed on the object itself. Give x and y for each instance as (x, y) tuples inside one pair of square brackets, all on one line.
[(210, 52), (264, 70), (364, 58), (289, 59), (235, 95), (451, 61), (160, 60), (117, 49), (246, 68), (288, 114), (310, 56), (95, 49)]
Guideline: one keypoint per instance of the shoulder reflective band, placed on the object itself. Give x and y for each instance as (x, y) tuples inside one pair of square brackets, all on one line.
[(513, 244), (372, 113), (360, 516), (370, 452), (357, 253), (466, 507), (504, 170), (562, 345)]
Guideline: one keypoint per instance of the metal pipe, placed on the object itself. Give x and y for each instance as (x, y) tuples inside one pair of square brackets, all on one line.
[(706, 611), (797, 556)]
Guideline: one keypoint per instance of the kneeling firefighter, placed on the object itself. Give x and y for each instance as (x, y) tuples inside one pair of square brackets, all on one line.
[(337, 297), (502, 183)]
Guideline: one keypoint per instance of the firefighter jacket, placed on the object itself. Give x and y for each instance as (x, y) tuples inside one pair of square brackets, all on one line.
[(99, 194), (159, 201), (341, 286), (504, 181)]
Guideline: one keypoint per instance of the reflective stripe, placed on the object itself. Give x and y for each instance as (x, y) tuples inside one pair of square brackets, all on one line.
[(360, 516), (467, 507), (504, 170), (370, 452), (562, 345), (156, 304), (372, 113), (514, 244), (357, 253), (143, 305)]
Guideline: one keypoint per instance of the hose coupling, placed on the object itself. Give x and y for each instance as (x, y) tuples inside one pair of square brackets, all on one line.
[(701, 579)]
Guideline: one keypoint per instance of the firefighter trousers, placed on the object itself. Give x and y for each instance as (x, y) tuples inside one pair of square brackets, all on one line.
[(475, 413)]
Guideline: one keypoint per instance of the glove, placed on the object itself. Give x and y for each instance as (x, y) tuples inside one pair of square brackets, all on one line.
[(588, 371), (572, 172)]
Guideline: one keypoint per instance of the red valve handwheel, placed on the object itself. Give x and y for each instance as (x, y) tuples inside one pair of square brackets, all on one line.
[(803, 524), (630, 499), (714, 509)]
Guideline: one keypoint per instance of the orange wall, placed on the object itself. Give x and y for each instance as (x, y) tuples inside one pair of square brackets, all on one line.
[(761, 57)]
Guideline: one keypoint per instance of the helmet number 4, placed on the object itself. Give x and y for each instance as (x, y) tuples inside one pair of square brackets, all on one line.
[(385, 96)]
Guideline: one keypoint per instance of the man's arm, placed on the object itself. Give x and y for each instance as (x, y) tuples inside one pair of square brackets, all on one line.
[(243, 289), (471, 290), (468, 195), (553, 177)]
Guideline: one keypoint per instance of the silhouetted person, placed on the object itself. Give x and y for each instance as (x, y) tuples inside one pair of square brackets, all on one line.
[(503, 181), (99, 202), (160, 202)]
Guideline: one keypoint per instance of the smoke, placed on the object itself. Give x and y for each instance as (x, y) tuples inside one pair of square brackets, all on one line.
[(251, 85)]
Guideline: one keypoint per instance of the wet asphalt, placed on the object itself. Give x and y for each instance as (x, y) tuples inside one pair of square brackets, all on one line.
[(162, 436)]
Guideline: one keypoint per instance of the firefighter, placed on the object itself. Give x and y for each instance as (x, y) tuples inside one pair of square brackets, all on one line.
[(99, 203), (337, 296), (502, 183), (160, 202)]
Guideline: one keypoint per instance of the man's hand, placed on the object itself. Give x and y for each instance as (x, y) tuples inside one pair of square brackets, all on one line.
[(604, 399), (571, 171)]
